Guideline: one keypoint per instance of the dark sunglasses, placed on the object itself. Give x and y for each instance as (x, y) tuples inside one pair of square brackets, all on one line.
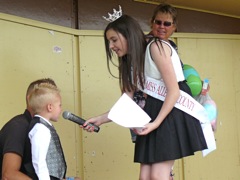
[(165, 23)]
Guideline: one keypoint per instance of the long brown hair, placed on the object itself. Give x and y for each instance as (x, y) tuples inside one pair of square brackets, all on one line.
[(131, 66)]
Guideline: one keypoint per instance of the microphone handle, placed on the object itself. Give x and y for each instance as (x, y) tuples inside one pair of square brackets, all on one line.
[(96, 128), (81, 121)]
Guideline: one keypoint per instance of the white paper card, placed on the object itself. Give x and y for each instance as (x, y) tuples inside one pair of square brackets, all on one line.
[(127, 113)]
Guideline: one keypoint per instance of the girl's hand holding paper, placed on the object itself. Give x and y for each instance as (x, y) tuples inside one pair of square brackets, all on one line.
[(127, 113)]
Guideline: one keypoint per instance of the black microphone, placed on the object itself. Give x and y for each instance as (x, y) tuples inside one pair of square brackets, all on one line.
[(78, 120)]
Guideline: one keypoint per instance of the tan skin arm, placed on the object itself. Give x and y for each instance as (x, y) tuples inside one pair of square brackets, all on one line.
[(164, 64), (75, 178), (11, 166), (97, 120)]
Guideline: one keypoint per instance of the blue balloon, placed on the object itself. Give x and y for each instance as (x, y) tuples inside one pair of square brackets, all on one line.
[(189, 70), (211, 109)]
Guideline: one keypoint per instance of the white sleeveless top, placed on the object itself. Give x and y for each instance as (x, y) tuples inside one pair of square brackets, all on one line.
[(151, 69)]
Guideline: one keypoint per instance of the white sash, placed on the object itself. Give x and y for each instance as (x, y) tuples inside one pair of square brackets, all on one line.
[(186, 103)]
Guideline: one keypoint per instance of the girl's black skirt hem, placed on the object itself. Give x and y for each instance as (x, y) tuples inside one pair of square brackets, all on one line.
[(178, 136)]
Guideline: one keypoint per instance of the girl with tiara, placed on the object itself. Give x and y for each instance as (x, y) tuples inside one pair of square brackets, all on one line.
[(172, 133)]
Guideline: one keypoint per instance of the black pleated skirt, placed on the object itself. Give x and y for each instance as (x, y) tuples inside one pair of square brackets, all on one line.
[(178, 136)]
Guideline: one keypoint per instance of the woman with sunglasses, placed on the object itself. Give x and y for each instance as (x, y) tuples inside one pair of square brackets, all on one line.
[(164, 23)]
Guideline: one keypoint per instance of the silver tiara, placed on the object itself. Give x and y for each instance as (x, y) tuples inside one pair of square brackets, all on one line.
[(116, 14)]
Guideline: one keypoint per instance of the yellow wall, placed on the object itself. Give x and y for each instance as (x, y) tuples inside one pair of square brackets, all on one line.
[(80, 70), (217, 57)]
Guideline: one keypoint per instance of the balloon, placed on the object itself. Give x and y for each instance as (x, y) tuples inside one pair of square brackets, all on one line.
[(189, 70), (195, 84), (211, 109)]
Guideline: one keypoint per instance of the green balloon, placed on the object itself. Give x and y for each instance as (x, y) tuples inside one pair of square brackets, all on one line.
[(195, 84)]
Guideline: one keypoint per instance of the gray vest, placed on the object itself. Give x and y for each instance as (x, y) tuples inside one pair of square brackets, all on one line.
[(55, 158)]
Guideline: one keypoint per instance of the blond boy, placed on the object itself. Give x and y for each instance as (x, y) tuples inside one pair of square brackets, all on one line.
[(47, 154)]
